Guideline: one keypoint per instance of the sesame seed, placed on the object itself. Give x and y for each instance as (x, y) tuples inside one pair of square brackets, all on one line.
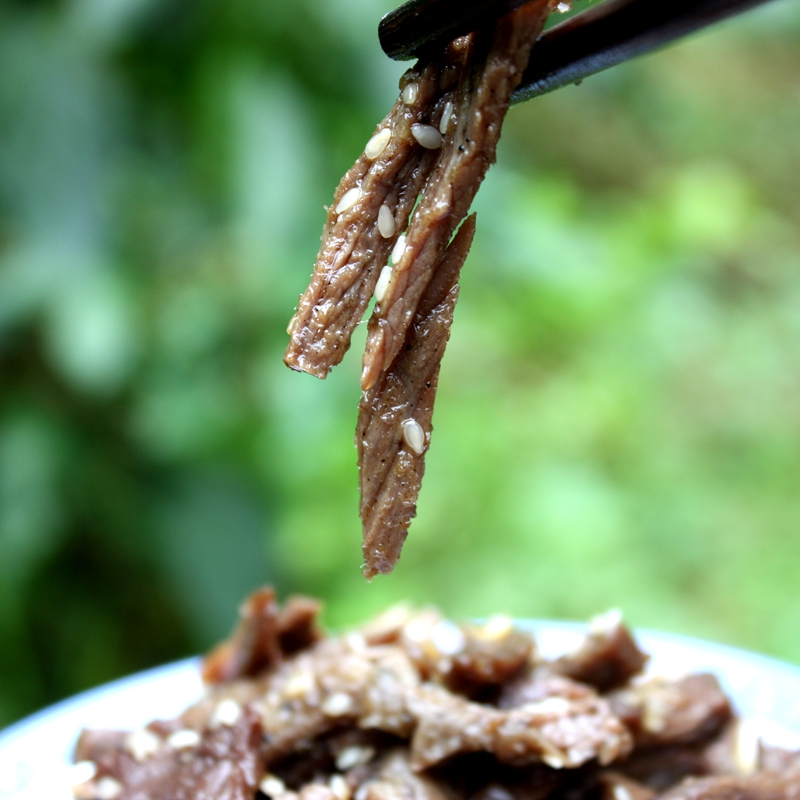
[(447, 115), (383, 283), (413, 435), (184, 739), (386, 224), (447, 638), (82, 771), (496, 792), (550, 705), (622, 793), (299, 684), (353, 756), (337, 704), (498, 627), (410, 93), (606, 623), (554, 761), (427, 136), (292, 323), (142, 744), (272, 786), (399, 248), (107, 789), (348, 199), (377, 144), (356, 642), (339, 786), (227, 713), (563, 7)]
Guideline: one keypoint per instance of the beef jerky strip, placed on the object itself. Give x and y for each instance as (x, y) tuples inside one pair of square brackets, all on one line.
[(761, 786), (480, 106), (391, 171), (394, 417), (608, 656), (218, 763)]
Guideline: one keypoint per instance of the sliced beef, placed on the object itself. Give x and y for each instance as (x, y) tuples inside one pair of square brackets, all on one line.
[(394, 419), (264, 636), (353, 250), (415, 707), (761, 786), (660, 712), (558, 732), (215, 764), (662, 767), (396, 779), (435, 146), (777, 759), (494, 68), (607, 658), (540, 684), (490, 657), (468, 659)]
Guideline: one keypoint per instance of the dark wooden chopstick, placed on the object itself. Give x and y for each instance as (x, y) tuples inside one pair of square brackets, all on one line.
[(614, 32), (608, 34), (405, 32)]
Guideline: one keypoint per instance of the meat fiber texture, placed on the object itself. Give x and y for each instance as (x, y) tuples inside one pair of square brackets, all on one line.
[(415, 706), (407, 196)]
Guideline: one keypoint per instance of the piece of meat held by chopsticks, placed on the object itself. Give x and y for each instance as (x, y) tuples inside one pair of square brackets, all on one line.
[(394, 416), (428, 157)]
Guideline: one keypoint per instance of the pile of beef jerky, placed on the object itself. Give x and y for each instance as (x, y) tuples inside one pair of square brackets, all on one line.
[(406, 196), (414, 707)]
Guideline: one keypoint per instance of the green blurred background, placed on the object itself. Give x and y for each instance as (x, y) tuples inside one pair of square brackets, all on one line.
[(618, 422)]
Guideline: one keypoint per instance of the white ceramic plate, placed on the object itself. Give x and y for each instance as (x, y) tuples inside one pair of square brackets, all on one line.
[(35, 753)]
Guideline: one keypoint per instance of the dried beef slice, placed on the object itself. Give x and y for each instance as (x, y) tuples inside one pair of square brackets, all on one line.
[(413, 706)]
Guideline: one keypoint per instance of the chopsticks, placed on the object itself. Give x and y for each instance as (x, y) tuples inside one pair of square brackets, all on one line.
[(598, 38)]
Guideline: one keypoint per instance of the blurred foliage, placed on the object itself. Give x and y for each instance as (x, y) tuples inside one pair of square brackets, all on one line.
[(619, 414)]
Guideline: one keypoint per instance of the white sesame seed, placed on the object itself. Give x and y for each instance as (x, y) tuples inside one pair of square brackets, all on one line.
[(550, 705), (353, 756), (399, 248), (356, 642), (292, 323), (386, 224), (339, 786), (447, 638), (563, 7), (82, 771), (348, 199), (410, 93), (606, 623), (413, 435), (622, 793), (418, 630), (383, 283), (299, 684), (272, 786), (107, 789), (446, 116), (337, 704), (184, 739), (363, 791), (377, 144), (497, 627), (227, 713), (496, 792), (142, 744), (427, 136), (554, 761)]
